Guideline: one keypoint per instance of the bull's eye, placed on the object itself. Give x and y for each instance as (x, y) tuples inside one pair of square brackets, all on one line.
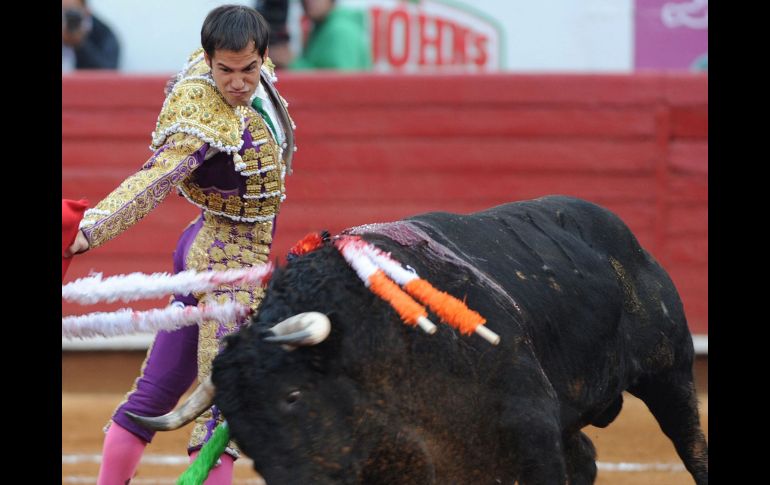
[(293, 397)]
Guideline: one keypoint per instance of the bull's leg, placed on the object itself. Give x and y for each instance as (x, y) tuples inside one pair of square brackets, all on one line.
[(673, 401), (532, 436), (580, 456)]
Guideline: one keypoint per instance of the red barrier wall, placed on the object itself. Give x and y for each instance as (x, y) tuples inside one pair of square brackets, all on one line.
[(374, 148)]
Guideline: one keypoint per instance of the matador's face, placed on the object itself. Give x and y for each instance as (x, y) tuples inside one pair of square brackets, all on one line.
[(236, 73)]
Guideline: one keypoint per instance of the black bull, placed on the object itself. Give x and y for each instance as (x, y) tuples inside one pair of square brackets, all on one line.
[(584, 314)]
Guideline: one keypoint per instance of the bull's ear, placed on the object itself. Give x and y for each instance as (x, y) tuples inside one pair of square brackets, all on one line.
[(310, 328)]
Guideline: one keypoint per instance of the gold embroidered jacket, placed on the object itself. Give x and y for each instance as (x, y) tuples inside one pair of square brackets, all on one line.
[(223, 159)]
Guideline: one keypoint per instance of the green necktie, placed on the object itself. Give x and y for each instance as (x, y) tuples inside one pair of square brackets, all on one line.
[(257, 105)]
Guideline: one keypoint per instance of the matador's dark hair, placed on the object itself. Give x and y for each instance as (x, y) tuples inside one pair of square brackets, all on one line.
[(233, 28)]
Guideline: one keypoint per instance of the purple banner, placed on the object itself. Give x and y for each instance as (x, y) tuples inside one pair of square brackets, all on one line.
[(671, 34)]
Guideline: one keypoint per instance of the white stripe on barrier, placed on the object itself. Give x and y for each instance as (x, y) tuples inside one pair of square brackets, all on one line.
[(701, 343)]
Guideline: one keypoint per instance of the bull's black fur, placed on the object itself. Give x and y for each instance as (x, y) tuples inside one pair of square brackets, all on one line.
[(381, 402)]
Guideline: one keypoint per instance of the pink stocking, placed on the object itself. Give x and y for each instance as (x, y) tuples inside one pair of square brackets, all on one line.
[(120, 456), (221, 474)]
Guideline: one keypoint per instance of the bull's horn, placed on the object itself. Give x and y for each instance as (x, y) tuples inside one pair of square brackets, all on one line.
[(308, 328), (200, 400)]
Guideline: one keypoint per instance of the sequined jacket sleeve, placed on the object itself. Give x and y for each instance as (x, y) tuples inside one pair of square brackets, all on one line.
[(140, 193)]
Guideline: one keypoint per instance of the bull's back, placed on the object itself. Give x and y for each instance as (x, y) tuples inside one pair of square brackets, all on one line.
[(551, 255), (539, 227), (576, 281)]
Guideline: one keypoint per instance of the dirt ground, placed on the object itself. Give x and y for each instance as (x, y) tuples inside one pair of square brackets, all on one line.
[(631, 451)]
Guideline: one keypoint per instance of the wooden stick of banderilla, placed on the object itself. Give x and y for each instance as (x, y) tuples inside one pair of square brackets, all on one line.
[(487, 334)]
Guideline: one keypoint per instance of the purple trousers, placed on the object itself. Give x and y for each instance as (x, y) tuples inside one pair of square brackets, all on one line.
[(171, 364)]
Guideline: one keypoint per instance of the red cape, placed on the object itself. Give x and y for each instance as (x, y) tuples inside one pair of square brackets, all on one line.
[(71, 214)]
